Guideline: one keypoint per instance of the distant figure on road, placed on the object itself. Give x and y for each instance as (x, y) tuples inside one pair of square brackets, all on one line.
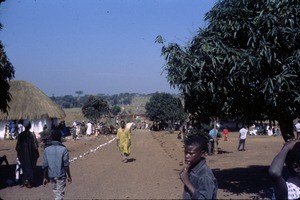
[(198, 179), (124, 141), (56, 165), (89, 129), (225, 133), (213, 141), (242, 138)]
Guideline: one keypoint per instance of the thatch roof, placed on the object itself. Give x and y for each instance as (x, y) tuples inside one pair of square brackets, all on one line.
[(28, 102)]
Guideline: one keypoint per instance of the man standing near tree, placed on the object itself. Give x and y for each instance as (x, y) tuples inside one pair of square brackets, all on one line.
[(242, 138)]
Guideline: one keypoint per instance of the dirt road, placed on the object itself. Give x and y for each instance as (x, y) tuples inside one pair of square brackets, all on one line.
[(152, 173)]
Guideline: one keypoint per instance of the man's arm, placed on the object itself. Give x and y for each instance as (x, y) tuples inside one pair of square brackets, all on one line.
[(276, 168), (69, 178), (184, 176), (66, 165)]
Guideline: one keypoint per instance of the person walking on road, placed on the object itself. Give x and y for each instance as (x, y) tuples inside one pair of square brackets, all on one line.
[(124, 141), (56, 165), (242, 138), (225, 133)]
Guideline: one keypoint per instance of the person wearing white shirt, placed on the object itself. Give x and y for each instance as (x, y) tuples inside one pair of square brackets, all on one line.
[(297, 127), (243, 134), (89, 129)]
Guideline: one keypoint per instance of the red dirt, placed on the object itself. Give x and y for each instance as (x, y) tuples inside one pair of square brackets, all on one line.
[(152, 171)]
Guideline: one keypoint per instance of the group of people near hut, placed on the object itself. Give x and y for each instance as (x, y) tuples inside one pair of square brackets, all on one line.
[(79, 129), (55, 156), (55, 159), (13, 129)]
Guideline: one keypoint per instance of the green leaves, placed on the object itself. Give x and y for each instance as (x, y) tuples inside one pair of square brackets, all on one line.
[(244, 64), (95, 107), (163, 107)]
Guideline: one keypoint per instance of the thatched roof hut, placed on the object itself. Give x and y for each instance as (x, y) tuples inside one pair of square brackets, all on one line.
[(30, 103)]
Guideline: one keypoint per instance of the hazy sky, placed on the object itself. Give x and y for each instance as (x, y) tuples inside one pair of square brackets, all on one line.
[(96, 46)]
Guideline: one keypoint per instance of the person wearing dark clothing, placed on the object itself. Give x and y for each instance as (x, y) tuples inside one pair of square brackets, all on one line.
[(3, 159), (198, 179), (28, 154)]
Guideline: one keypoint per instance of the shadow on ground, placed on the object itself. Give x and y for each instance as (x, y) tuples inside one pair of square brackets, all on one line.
[(220, 151), (131, 160), (7, 176), (250, 180)]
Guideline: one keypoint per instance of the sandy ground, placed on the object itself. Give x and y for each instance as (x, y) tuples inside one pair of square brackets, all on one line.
[(152, 171)]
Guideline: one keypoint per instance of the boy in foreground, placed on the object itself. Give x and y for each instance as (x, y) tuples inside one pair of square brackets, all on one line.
[(198, 179), (56, 165)]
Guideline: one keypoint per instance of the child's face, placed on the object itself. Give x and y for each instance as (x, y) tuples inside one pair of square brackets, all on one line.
[(193, 154)]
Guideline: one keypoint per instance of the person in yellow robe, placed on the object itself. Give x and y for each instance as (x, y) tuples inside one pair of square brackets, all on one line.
[(124, 141)]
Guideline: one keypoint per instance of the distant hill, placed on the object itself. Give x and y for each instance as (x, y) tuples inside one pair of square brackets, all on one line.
[(136, 106)]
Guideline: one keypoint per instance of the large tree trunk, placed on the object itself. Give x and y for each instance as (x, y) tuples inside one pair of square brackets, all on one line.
[(286, 128)]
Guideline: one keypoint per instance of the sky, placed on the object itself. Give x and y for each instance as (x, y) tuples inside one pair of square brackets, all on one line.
[(96, 46)]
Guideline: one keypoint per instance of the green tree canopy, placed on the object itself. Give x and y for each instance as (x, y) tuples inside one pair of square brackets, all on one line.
[(7, 72), (243, 65), (94, 108), (163, 107), (115, 110)]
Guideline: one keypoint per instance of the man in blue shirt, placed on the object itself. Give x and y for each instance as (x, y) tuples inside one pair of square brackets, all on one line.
[(213, 141), (56, 165)]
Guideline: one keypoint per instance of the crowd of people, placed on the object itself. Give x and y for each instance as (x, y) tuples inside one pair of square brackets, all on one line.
[(55, 158), (55, 155), (198, 179), (80, 129), (13, 129)]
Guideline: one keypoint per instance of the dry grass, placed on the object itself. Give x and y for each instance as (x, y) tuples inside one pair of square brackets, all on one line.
[(73, 114), (28, 102)]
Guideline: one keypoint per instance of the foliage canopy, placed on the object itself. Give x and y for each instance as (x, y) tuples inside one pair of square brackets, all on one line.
[(244, 65), (163, 107), (7, 72), (94, 108)]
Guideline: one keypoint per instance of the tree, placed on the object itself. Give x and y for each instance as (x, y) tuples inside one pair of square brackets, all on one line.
[(7, 72), (115, 110), (79, 93), (164, 108), (94, 108), (244, 65)]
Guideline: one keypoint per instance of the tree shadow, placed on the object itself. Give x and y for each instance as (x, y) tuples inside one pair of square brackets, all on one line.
[(251, 180), (8, 175)]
